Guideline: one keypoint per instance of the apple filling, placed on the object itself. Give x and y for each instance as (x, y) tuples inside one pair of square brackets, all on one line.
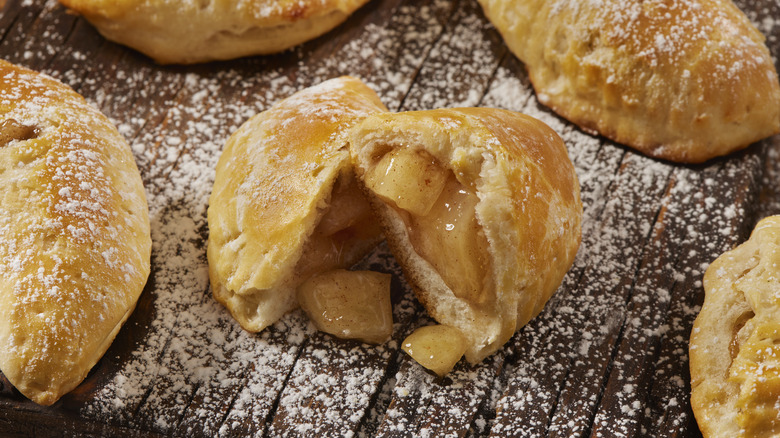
[(436, 347), (345, 233), (354, 305), (11, 130), (737, 337), (349, 304), (440, 215)]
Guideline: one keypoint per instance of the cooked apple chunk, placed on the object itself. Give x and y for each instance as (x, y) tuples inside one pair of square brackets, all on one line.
[(412, 180), (451, 239), (441, 220), (349, 304), (436, 347)]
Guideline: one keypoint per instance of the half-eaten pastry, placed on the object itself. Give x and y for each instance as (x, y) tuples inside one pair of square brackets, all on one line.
[(682, 80), (481, 208), (187, 32), (74, 234), (735, 342), (285, 204)]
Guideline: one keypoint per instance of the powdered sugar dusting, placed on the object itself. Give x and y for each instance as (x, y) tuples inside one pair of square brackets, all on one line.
[(668, 32), (72, 221), (440, 87), (645, 316), (183, 370), (194, 352)]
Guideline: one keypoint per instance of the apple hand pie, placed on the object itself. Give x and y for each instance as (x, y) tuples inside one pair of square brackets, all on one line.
[(682, 80), (285, 205), (735, 342), (187, 32), (481, 207), (74, 234)]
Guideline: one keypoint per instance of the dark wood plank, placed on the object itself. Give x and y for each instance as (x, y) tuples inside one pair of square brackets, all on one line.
[(579, 328), (646, 325), (469, 42), (27, 422), (36, 30), (330, 376)]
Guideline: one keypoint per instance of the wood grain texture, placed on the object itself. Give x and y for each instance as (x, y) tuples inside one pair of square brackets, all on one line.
[(607, 356)]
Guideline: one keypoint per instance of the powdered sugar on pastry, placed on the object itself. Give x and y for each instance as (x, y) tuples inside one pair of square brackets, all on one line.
[(186, 32), (735, 362), (74, 234), (275, 182), (648, 74)]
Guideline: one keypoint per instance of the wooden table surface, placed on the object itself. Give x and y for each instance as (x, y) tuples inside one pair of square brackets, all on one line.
[(607, 356)]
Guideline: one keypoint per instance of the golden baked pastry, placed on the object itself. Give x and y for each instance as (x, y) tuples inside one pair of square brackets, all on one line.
[(735, 342), (682, 80), (189, 31), (481, 207), (74, 234), (285, 204)]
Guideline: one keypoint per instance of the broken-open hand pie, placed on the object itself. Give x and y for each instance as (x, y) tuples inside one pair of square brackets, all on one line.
[(682, 80), (285, 204), (481, 207), (735, 342), (74, 234), (190, 31)]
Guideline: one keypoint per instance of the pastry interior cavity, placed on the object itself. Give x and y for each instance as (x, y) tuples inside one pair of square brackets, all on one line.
[(12, 130), (347, 304), (739, 336), (346, 231), (440, 215)]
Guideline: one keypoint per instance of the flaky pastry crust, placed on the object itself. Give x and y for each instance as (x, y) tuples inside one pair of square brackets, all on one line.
[(74, 234), (274, 180), (529, 210), (735, 342), (680, 80), (193, 31)]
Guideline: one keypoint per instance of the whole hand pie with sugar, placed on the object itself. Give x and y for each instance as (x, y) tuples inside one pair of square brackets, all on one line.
[(74, 234), (735, 342), (481, 207), (682, 80), (285, 205), (189, 31)]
